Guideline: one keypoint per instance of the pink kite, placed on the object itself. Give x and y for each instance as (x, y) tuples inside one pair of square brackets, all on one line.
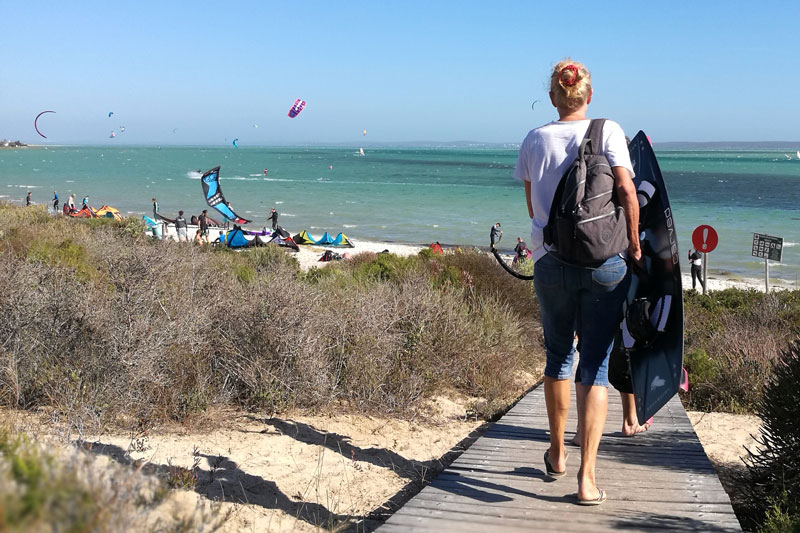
[(296, 108)]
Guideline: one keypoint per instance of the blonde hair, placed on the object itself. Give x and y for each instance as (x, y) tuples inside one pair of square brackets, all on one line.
[(570, 83)]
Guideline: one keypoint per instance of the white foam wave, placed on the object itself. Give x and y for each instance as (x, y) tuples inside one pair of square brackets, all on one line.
[(240, 178), (276, 179), (349, 225), (287, 215), (435, 225), (3, 196), (70, 181), (193, 174), (27, 186), (279, 202), (789, 244), (256, 175)]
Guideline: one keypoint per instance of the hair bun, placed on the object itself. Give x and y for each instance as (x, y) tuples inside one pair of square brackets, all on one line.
[(565, 78)]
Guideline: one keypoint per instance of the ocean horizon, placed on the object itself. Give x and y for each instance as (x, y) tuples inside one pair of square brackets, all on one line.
[(447, 192)]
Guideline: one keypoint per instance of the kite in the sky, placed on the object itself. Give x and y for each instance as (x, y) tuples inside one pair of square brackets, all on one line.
[(36, 127), (234, 143), (110, 113), (122, 129), (534, 103), (112, 135), (364, 132), (214, 197), (297, 106)]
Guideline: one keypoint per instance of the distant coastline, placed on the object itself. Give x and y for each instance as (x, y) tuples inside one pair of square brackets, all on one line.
[(5, 143)]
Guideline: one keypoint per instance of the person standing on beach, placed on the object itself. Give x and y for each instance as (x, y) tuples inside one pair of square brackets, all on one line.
[(273, 216), (521, 249), (86, 201), (203, 221), (55, 202), (180, 227), (495, 234), (71, 203), (28, 199), (225, 220), (155, 209), (696, 259), (573, 298)]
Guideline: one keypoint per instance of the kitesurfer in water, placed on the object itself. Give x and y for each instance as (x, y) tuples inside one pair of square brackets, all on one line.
[(55, 202), (273, 216), (570, 296), (180, 227)]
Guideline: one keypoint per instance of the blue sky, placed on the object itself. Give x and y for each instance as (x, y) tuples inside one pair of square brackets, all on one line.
[(206, 72)]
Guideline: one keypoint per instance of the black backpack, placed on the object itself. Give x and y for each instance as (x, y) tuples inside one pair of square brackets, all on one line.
[(587, 224)]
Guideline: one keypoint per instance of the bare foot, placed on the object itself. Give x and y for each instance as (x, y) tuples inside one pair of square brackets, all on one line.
[(629, 430)]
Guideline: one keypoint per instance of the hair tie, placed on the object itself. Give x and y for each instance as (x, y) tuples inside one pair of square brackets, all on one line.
[(574, 80)]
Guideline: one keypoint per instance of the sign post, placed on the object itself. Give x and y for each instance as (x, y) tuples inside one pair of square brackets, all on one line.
[(768, 247), (705, 239)]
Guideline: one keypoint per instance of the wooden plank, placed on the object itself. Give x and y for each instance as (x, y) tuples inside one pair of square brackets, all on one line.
[(660, 480)]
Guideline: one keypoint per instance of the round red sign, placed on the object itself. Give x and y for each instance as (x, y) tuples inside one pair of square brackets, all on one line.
[(704, 239)]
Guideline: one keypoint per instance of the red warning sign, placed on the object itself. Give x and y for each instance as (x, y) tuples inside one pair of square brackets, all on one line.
[(704, 239)]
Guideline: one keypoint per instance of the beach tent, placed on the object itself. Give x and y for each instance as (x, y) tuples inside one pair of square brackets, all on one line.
[(235, 239), (107, 211), (342, 240), (83, 212)]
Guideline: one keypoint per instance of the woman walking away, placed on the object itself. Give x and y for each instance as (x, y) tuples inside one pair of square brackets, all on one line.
[(580, 295)]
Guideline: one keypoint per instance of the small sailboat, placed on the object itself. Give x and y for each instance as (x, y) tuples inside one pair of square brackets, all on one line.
[(798, 154), (360, 152)]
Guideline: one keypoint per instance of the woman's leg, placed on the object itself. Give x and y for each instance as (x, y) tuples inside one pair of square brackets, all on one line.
[(558, 305)]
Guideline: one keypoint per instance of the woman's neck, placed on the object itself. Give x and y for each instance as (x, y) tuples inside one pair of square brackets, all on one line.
[(568, 115)]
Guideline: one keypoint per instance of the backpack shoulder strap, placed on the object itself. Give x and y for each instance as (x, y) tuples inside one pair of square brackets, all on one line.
[(595, 135)]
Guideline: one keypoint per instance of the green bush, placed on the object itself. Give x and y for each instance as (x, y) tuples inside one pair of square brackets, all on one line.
[(774, 467)]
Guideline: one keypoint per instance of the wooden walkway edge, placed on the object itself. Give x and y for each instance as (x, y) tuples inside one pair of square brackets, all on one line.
[(660, 480)]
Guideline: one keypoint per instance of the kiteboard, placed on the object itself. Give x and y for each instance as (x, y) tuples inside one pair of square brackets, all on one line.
[(652, 331)]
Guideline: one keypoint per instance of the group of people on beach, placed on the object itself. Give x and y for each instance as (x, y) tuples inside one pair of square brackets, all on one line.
[(69, 207)]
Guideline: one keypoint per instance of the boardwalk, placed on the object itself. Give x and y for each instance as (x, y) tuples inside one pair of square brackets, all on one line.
[(661, 480)]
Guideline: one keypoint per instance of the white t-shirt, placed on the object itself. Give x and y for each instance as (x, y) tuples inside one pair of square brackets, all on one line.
[(545, 155)]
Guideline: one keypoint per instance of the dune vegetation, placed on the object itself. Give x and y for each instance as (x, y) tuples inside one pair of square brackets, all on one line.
[(104, 325)]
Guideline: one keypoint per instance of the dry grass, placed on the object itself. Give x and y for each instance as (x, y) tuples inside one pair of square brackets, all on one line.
[(102, 324)]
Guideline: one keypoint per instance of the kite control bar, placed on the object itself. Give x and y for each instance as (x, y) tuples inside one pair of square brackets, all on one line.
[(502, 262)]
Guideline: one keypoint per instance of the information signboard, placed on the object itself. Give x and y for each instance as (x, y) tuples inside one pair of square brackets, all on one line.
[(767, 247)]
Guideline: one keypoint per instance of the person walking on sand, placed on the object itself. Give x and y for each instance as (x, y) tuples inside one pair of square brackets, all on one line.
[(574, 298), (180, 227), (28, 199), (155, 209), (273, 216), (55, 202), (202, 220), (696, 259)]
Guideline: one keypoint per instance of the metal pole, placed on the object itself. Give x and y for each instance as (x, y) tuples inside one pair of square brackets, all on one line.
[(766, 272), (705, 271)]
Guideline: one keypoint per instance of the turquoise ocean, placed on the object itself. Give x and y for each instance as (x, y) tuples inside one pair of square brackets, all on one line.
[(411, 195)]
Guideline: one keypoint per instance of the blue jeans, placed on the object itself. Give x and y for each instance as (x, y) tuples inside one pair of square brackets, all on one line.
[(583, 300)]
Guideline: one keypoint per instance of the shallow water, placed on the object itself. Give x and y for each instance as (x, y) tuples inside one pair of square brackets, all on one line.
[(415, 195)]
